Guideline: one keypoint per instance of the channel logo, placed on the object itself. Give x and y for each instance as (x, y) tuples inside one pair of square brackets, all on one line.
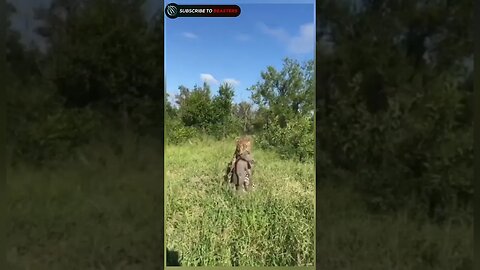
[(172, 11)]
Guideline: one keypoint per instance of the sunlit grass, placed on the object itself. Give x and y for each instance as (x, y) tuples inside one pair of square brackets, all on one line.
[(209, 225), (102, 211)]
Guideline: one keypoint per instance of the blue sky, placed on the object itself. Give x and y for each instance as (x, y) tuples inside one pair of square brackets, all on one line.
[(236, 50)]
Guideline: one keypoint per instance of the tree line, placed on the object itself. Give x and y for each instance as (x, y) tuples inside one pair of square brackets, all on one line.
[(395, 103), (280, 112)]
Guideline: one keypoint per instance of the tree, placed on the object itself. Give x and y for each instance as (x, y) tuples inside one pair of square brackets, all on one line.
[(245, 113), (102, 56), (195, 106), (392, 95), (223, 108), (223, 102), (22, 61), (285, 101), (286, 93)]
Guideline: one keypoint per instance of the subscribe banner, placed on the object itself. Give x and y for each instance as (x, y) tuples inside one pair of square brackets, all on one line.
[(174, 11)]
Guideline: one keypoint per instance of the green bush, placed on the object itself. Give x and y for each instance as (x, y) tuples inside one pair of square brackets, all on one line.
[(41, 130), (296, 140), (54, 136), (177, 133), (416, 154), (230, 127)]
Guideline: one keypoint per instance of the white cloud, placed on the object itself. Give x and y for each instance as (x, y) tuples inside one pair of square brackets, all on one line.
[(208, 78), (242, 37), (189, 35), (304, 42), (231, 81), (277, 33), (211, 80), (301, 42)]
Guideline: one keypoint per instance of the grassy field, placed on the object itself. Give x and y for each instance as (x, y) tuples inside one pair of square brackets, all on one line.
[(211, 226), (273, 226), (352, 238), (102, 211)]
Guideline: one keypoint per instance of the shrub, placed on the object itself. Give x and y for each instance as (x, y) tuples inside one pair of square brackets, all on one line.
[(416, 154), (296, 140), (40, 129), (177, 133)]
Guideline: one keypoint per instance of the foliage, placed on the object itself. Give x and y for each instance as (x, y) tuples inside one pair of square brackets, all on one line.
[(40, 129), (393, 130), (102, 56), (245, 115), (393, 103), (198, 110), (195, 107), (296, 140), (285, 109), (393, 122), (177, 133), (286, 93)]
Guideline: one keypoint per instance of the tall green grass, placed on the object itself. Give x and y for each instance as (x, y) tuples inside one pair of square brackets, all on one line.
[(350, 237), (101, 210), (274, 226), (211, 226)]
